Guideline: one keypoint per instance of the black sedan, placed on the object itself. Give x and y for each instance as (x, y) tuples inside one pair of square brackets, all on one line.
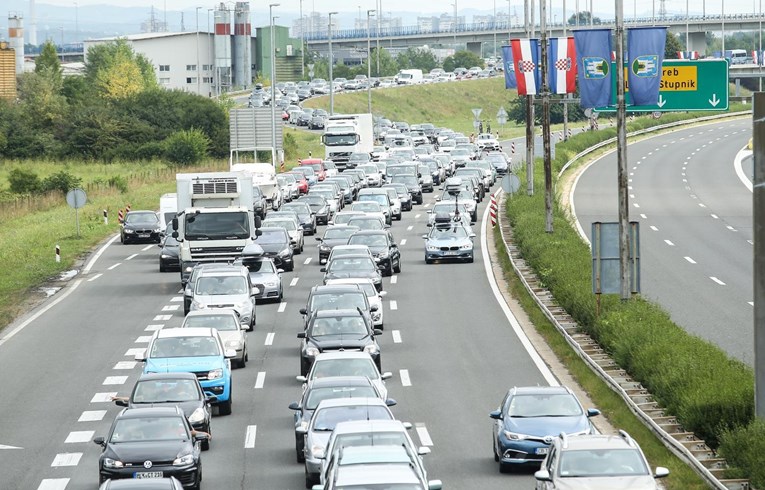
[(333, 236), (361, 266), (383, 248), (168, 254), (317, 122), (319, 207), (151, 443), (306, 217), (276, 245), (173, 389), (140, 226), (331, 330)]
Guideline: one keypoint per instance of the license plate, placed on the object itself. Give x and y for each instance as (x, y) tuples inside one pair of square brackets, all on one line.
[(541, 450), (143, 235), (148, 474), (451, 252)]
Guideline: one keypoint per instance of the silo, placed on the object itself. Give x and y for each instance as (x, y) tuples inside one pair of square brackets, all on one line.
[(222, 44), (242, 34), (16, 36)]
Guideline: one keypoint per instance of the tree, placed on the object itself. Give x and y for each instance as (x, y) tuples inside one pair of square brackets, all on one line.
[(388, 65), (672, 46), (418, 58), (117, 72), (462, 59), (48, 62), (584, 19)]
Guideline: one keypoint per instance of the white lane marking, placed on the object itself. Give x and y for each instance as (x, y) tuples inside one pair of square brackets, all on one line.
[(260, 380), (668, 242), (396, 334), (162, 318), (701, 205), (103, 397), (249, 436), (750, 242), (307, 261), (143, 339), (416, 216), (405, 380), (422, 431), (393, 304), (690, 260), (95, 257), (95, 277), (132, 257), (714, 216), (171, 307), (294, 281), (636, 205), (66, 459), (410, 228), (270, 338), (685, 181), (147, 247), (632, 196), (751, 303), (654, 228), (731, 228), (135, 351), (180, 291), (176, 299), (394, 279), (694, 196), (717, 280), (115, 266), (115, 380), (154, 327), (533, 354), (644, 216), (743, 153), (53, 484), (403, 241), (282, 307), (92, 416), (79, 436), (426, 205), (3, 446)]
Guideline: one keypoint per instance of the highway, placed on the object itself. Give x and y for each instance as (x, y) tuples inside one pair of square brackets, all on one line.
[(447, 341), (695, 216)]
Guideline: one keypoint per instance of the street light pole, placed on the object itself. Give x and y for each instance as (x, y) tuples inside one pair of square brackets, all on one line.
[(199, 89), (621, 158), (369, 63), (273, 82), (302, 41), (494, 28), (331, 62), (211, 38), (455, 24), (378, 4), (546, 118)]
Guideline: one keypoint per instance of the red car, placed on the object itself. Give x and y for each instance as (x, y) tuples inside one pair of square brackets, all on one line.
[(317, 165), (301, 181), (285, 115)]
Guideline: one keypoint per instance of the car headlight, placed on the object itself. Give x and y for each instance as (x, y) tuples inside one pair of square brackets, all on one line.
[(513, 436), (197, 416), (196, 305), (285, 253), (317, 450), (157, 230), (303, 425), (165, 256), (184, 460), (383, 254), (324, 248), (432, 248), (129, 231), (466, 246), (113, 463), (234, 344), (215, 374), (311, 351), (189, 269), (372, 349)]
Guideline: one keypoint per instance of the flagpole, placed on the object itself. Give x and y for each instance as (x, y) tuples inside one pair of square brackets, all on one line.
[(621, 156), (566, 96), (529, 114), (545, 93)]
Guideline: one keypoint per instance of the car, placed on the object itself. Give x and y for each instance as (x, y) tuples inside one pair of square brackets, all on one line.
[(358, 158), (276, 244), (170, 483), (216, 289), (468, 173), (331, 330), (367, 222), (450, 242), (169, 252), (446, 212), (356, 266), (379, 476), (380, 196), (305, 216), (597, 461), (197, 350), (343, 250), (302, 181), (489, 172), (327, 414), (460, 156), (140, 226), (487, 142), (334, 235), (374, 176), (368, 208), (345, 183), (327, 389), (173, 389), (383, 248), (404, 197), (330, 169), (530, 417), (317, 165), (264, 275), (294, 230), (330, 197), (337, 297), (308, 172), (368, 457), (151, 443), (373, 296), (395, 202), (499, 160), (426, 178), (343, 217), (226, 322), (412, 183), (319, 207), (289, 185), (303, 93), (464, 197), (188, 287)]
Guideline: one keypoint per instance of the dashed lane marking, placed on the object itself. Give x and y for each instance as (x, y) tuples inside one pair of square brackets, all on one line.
[(249, 436), (690, 260), (394, 279), (669, 242), (92, 416), (79, 436), (135, 351), (422, 432), (115, 380), (176, 299), (53, 484), (143, 339), (115, 266), (403, 241), (270, 338), (294, 281), (103, 397), (162, 318), (171, 307), (410, 228), (260, 380), (393, 304), (702, 205), (717, 280), (731, 228), (66, 459), (95, 277), (307, 261), (147, 247), (154, 327), (405, 380), (132, 257), (417, 216), (636, 205), (396, 334), (654, 228), (644, 216), (282, 307), (714, 216)]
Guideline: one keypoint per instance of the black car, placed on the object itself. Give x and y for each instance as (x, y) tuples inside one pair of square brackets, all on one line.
[(306, 218), (320, 389), (319, 207), (173, 389), (168, 254), (412, 183), (333, 330), (382, 247), (140, 226), (275, 242), (144, 484), (305, 117), (357, 266), (336, 297), (317, 122), (151, 443), (333, 236)]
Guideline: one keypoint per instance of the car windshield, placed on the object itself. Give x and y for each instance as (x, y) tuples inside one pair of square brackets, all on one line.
[(339, 325), (401, 189), (314, 200), (369, 240), (306, 170), (380, 486), (184, 347), (316, 395), (460, 152), (337, 301), (212, 225), (165, 390), (375, 438), (259, 265), (378, 198), (220, 322), (448, 233), (149, 429), (327, 418), (272, 237), (316, 167), (142, 219), (366, 223), (221, 285), (349, 264), (544, 405), (326, 194), (288, 225), (340, 233), (410, 180), (344, 218), (601, 463), (366, 206)]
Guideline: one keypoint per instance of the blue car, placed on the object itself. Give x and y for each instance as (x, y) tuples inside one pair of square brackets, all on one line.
[(530, 418), (193, 350)]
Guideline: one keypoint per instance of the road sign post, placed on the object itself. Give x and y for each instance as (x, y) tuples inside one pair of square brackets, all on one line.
[(686, 85), (76, 198)]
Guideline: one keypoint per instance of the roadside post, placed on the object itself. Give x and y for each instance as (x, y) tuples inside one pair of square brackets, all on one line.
[(76, 198), (758, 202)]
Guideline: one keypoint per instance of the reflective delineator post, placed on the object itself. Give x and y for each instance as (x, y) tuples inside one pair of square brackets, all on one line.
[(106, 217), (58, 253)]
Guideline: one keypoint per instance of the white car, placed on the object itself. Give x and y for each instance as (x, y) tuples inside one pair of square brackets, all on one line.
[(294, 230), (374, 176), (373, 296), (487, 142), (369, 208), (220, 289), (226, 322), (348, 363)]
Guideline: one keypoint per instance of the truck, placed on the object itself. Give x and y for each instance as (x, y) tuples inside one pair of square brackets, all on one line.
[(264, 177), (346, 134), (409, 77), (168, 208), (215, 218)]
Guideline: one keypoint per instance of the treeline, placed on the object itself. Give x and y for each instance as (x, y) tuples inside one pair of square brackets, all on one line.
[(115, 111)]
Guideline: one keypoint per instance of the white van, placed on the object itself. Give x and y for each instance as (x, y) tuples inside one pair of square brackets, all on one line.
[(740, 57), (409, 77), (168, 208)]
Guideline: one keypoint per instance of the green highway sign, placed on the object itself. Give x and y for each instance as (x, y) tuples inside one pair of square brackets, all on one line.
[(686, 85)]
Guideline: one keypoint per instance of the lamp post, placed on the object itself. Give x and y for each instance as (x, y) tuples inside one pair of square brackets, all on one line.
[(302, 41), (509, 34), (378, 4), (369, 63), (331, 62), (273, 82), (454, 26), (494, 28), (198, 81), (212, 52)]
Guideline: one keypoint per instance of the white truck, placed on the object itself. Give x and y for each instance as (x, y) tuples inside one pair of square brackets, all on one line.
[(168, 208), (215, 217), (346, 134), (409, 77), (264, 176)]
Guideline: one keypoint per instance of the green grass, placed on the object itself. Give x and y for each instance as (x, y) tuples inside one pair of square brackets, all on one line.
[(306, 141)]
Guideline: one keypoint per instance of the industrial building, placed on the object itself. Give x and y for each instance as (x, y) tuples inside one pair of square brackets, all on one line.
[(7, 71)]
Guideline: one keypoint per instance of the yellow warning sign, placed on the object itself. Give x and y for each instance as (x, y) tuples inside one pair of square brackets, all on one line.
[(679, 78)]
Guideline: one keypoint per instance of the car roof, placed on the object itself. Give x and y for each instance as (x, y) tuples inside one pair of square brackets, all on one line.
[(352, 247), (349, 281), (342, 355), (185, 332), (350, 402), (140, 413), (540, 390), (351, 256), (372, 232), (338, 312), (211, 312), (272, 228), (598, 441), (334, 288), (364, 426), (225, 273), (374, 455)]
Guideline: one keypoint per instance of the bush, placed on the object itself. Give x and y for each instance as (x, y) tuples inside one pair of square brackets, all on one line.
[(186, 147), (118, 182), (743, 447), (24, 181), (61, 181)]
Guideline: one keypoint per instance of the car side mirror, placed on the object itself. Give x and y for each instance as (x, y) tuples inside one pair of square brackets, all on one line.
[(279, 271), (425, 236), (374, 308), (141, 356), (472, 235), (294, 406), (323, 269), (592, 412), (542, 475), (301, 430), (211, 399), (302, 379), (175, 235), (429, 225), (386, 375), (254, 291), (423, 451), (438, 198), (496, 415), (382, 294), (175, 224), (319, 239), (390, 402), (201, 436), (661, 472), (378, 331), (102, 442), (303, 311), (301, 335), (244, 326), (121, 402)]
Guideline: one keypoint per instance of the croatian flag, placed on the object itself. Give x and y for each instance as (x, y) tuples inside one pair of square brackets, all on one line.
[(688, 55), (526, 64), (562, 65), (509, 68)]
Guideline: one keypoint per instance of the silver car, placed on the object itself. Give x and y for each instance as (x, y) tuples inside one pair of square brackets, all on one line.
[(217, 289), (226, 322), (294, 230)]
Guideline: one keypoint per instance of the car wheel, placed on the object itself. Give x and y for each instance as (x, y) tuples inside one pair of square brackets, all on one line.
[(470, 260), (224, 408), (494, 450), (310, 481), (428, 261), (281, 295), (397, 269), (419, 201), (398, 216), (197, 481), (162, 268), (299, 454), (291, 267), (206, 444), (122, 239), (302, 245)]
